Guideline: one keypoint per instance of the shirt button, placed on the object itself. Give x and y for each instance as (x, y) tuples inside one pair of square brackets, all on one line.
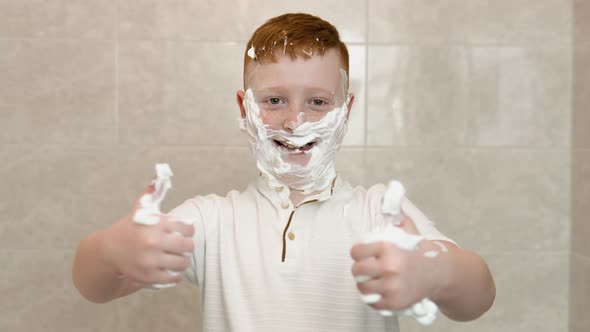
[(291, 236), (285, 205), (279, 189)]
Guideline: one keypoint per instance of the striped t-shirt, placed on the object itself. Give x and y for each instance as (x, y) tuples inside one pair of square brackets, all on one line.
[(264, 265)]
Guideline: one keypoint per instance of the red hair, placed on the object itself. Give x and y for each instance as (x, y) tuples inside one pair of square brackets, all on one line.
[(296, 35)]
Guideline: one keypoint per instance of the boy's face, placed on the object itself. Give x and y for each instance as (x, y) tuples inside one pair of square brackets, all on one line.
[(291, 92)]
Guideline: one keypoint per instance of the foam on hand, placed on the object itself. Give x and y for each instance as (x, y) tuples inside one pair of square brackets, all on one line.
[(425, 310), (149, 204), (392, 198), (148, 212)]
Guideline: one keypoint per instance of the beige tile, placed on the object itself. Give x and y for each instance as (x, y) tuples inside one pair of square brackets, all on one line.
[(418, 95), (531, 296), (230, 20), (520, 201), (350, 18), (179, 93), (57, 18), (476, 22), (407, 21), (12, 157), (524, 22), (197, 171), (519, 97), (350, 164), (43, 298), (581, 202), (57, 91), (70, 192), (486, 200), (581, 22), (56, 196), (39, 295), (13, 154), (357, 72), (581, 92), (580, 294), (448, 96), (438, 182)]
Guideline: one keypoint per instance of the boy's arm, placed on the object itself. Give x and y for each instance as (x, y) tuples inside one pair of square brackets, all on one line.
[(466, 288), (457, 280), (96, 279)]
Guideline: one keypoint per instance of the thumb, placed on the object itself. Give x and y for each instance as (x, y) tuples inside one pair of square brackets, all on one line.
[(409, 226), (150, 189)]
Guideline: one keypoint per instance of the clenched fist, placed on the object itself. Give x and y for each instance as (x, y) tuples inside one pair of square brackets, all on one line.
[(149, 254)]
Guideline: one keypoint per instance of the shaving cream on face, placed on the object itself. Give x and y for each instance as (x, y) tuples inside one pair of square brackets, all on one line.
[(326, 135)]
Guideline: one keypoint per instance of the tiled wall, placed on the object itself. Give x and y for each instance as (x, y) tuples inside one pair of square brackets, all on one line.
[(468, 102), (580, 259)]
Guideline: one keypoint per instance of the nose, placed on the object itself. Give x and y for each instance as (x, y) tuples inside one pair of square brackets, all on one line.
[(294, 119)]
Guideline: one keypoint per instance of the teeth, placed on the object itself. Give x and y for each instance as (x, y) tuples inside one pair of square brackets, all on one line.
[(291, 146)]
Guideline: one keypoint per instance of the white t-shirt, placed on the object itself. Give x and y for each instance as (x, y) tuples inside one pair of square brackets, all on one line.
[(263, 265)]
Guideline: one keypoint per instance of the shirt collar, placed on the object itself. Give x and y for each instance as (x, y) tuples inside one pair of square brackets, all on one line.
[(279, 194)]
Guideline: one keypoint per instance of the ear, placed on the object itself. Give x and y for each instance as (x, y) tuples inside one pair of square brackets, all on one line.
[(350, 102), (240, 99)]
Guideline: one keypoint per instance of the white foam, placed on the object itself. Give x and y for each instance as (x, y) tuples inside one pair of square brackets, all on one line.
[(319, 171), (371, 298), (443, 248), (431, 254), (252, 52), (149, 204), (361, 279), (392, 202)]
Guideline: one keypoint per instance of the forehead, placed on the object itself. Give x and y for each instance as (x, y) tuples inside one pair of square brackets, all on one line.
[(322, 70)]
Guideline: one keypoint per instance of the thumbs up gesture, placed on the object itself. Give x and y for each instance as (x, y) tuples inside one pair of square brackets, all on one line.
[(146, 246)]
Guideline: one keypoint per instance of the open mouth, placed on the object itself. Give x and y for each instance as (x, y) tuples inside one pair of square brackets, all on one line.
[(293, 148)]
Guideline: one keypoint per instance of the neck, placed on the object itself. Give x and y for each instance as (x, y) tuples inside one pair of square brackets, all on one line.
[(297, 196)]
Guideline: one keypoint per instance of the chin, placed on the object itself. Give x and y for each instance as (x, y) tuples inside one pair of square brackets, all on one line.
[(297, 159)]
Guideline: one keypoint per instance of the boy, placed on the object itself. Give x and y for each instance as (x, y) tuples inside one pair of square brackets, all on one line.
[(278, 255)]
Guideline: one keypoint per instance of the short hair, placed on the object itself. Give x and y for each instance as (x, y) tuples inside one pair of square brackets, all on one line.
[(296, 35)]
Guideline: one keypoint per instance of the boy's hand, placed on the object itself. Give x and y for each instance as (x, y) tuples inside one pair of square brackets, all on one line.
[(400, 277), (143, 254)]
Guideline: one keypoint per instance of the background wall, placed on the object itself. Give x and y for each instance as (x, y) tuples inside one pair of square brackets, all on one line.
[(468, 102), (580, 260)]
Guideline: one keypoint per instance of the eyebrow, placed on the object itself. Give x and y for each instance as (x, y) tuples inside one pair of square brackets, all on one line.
[(280, 89), (272, 89)]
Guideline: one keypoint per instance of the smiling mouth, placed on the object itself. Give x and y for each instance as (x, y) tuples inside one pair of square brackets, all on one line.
[(293, 148)]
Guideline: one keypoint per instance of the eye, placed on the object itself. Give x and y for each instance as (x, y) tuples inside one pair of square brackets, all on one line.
[(274, 100), (318, 102)]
